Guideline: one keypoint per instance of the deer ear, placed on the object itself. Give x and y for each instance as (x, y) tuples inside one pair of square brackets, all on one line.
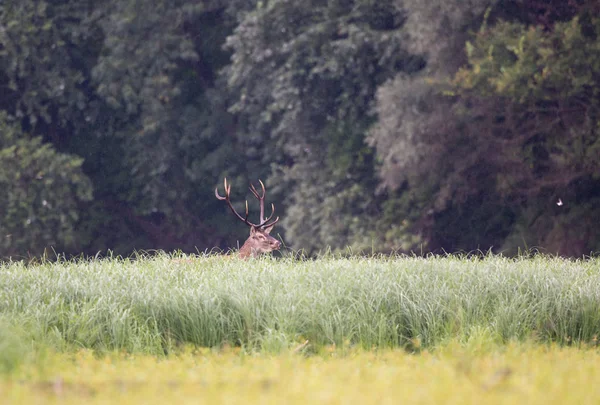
[(253, 230), (267, 230)]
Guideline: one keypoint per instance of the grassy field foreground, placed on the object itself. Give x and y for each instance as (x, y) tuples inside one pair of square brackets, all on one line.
[(154, 305), (214, 329), (453, 374)]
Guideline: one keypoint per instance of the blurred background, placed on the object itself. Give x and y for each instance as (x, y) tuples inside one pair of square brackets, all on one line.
[(379, 126)]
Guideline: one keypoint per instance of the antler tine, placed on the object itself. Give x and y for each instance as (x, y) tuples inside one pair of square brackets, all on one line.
[(272, 223), (217, 191), (263, 222), (228, 201), (255, 191), (261, 199)]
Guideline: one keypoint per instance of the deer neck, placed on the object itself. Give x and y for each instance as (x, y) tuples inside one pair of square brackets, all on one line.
[(247, 250)]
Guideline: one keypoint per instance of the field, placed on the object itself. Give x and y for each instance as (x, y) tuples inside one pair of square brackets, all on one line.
[(334, 330), (517, 373)]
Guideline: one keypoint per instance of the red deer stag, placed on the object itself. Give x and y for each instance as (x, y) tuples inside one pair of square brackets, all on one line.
[(259, 241)]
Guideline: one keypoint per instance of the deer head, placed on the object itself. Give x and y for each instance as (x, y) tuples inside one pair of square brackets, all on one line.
[(259, 241)]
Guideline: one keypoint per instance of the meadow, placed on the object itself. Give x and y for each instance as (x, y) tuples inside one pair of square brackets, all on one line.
[(210, 328), (453, 374)]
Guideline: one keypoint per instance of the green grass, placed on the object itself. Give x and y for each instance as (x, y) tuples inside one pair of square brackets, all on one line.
[(452, 374), (154, 305), (436, 330)]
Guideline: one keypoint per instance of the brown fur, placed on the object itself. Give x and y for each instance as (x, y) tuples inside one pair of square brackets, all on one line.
[(258, 243)]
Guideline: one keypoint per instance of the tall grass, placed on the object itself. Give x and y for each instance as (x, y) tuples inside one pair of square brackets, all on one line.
[(154, 304)]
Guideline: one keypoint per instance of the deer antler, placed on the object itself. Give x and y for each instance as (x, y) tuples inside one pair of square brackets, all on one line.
[(261, 198), (226, 199)]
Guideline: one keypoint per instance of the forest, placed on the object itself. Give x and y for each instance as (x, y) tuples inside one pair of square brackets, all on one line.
[(377, 126)]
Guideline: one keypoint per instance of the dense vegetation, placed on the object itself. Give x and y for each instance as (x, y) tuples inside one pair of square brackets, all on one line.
[(156, 305), (217, 329), (388, 125)]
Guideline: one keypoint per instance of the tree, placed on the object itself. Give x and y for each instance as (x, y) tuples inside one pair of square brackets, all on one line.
[(545, 127), (417, 135), (304, 75), (133, 88), (42, 191), (45, 48), (158, 72), (483, 143)]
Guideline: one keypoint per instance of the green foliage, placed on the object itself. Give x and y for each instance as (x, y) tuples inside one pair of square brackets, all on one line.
[(44, 49), (133, 88), (174, 135), (154, 305), (305, 76), (164, 92), (42, 193), (528, 64), (550, 82), (439, 29), (376, 126), (493, 145)]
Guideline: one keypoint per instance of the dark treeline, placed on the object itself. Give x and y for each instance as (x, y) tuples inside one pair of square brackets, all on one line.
[(388, 125)]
